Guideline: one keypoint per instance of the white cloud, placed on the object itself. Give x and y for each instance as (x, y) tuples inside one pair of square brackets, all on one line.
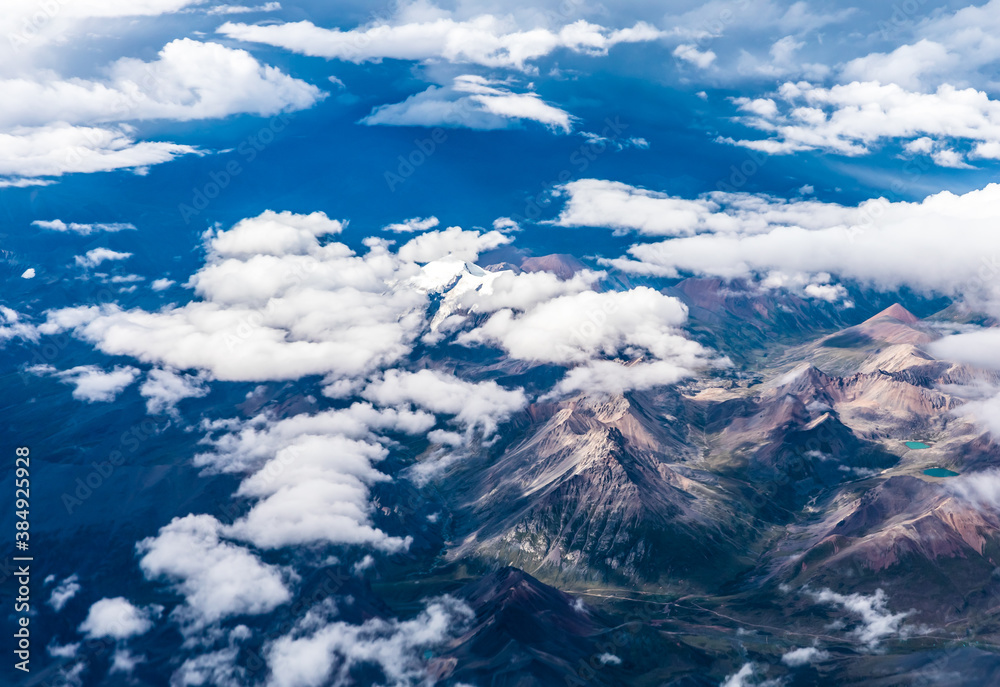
[(164, 389), (124, 661), (57, 149), (94, 385), (905, 66), (471, 102), (310, 656), (63, 651), (613, 377), (82, 229), (979, 489), (877, 622), (28, 273), (315, 489), (879, 243), (96, 256), (453, 242), (310, 474), (796, 658), (579, 327), (188, 80), (741, 678), (63, 592), (50, 126), (216, 668), (161, 284), (218, 579), (480, 405), (413, 224), (32, 26), (273, 233), (597, 203), (249, 445), (243, 9), (11, 325), (485, 40), (274, 304), (118, 619), (523, 291), (702, 59), (852, 119)]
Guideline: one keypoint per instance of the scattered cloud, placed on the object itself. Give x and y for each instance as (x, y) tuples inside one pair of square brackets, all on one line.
[(218, 579), (855, 118), (63, 592), (486, 40), (96, 256), (471, 102), (702, 59), (414, 224), (82, 229), (118, 619), (164, 389), (314, 651), (480, 405), (875, 621), (453, 242), (91, 383), (796, 658)]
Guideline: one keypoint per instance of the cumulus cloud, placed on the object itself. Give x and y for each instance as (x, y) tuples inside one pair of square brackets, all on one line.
[(613, 377), (217, 668), (82, 229), (276, 303), (875, 621), (852, 119), (33, 25), (164, 389), (598, 203), (12, 326), (51, 126), (218, 579), (315, 651), (414, 224), (453, 242), (522, 291), (118, 619), (316, 490), (480, 405), (188, 80), (879, 243), (91, 383), (124, 661), (485, 40), (310, 475), (58, 149), (579, 327), (471, 102), (247, 446), (96, 256), (63, 592), (702, 59), (796, 658)]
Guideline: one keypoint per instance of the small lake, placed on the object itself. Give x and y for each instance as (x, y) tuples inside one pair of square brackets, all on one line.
[(916, 444), (940, 472)]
